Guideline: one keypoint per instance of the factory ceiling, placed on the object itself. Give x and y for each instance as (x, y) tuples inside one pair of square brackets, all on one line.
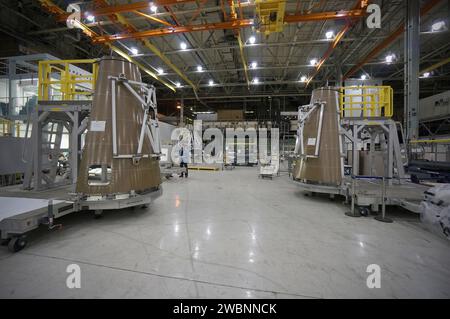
[(220, 53)]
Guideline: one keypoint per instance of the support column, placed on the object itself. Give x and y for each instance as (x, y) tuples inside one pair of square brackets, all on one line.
[(37, 153), (339, 75), (74, 147), (182, 112), (412, 60), (355, 151), (12, 92)]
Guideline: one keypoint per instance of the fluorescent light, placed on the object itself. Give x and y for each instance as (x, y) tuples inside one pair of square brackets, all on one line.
[(178, 84), (90, 17), (255, 81), (390, 58), (134, 51), (437, 26), (254, 65), (211, 83), (252, 39), (363, 77), (153, 8), (160, 71), (303, 79), (313, 62), (426, 74), (199, 68), (329, 34), (183, 46)]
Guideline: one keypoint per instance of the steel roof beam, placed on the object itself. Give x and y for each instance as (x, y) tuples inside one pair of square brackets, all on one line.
[(389, 40), (359, 4)]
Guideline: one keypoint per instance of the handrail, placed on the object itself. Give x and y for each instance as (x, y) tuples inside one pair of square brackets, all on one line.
[(57, 75), (7, 127), (436, 141), (366, 102)]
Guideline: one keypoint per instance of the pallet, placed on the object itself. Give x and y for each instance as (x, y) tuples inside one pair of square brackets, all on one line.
[(204, 168)]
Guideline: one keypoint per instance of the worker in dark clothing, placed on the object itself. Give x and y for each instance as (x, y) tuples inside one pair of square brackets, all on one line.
[(184, 160)]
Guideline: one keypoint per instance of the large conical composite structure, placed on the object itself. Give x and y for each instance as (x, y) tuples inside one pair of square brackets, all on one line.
[(319, 159), (127, 171)]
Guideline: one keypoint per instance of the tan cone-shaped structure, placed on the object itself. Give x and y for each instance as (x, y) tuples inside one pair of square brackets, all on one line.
[(98, 150), (327, 168)]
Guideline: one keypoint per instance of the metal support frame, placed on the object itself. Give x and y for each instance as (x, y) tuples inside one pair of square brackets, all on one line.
[(304, 113), (42, 159), (412, 61), (150, 126), (386, 130)]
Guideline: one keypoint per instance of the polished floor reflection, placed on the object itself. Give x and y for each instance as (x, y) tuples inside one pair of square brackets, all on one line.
[(228, 234)]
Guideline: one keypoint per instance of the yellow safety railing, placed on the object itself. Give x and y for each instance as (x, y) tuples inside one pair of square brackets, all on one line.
[(366, 101), (7, 127), (58, 81)]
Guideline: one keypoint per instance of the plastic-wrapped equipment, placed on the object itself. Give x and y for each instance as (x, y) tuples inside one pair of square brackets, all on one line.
[(435, 210)]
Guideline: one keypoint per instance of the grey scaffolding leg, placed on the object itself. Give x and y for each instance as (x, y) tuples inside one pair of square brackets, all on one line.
[(383, 217)]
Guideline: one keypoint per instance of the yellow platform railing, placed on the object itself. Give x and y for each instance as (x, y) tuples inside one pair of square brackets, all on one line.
[(366, 101), (59, 81), (7, 127)]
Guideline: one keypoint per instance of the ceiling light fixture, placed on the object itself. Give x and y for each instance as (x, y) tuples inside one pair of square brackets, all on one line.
[(199, 68), (254, 65), (313, 62), (153, 7), (90, 17), (438, 26), (160, 71), (329, 35), (390, 58), (252, 39), (211, 83), (183, 46), (134, 51)]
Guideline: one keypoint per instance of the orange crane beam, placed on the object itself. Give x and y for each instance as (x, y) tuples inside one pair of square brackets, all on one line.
[(389, 40), (321, 16), (108, 10), (233, 24)]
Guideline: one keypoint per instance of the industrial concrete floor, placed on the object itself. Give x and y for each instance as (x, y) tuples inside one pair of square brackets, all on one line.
[(228, 234)]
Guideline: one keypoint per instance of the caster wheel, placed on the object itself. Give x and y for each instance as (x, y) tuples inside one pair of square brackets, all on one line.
[(4, 242), (16, 244), (364, 211), (447, 231)]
